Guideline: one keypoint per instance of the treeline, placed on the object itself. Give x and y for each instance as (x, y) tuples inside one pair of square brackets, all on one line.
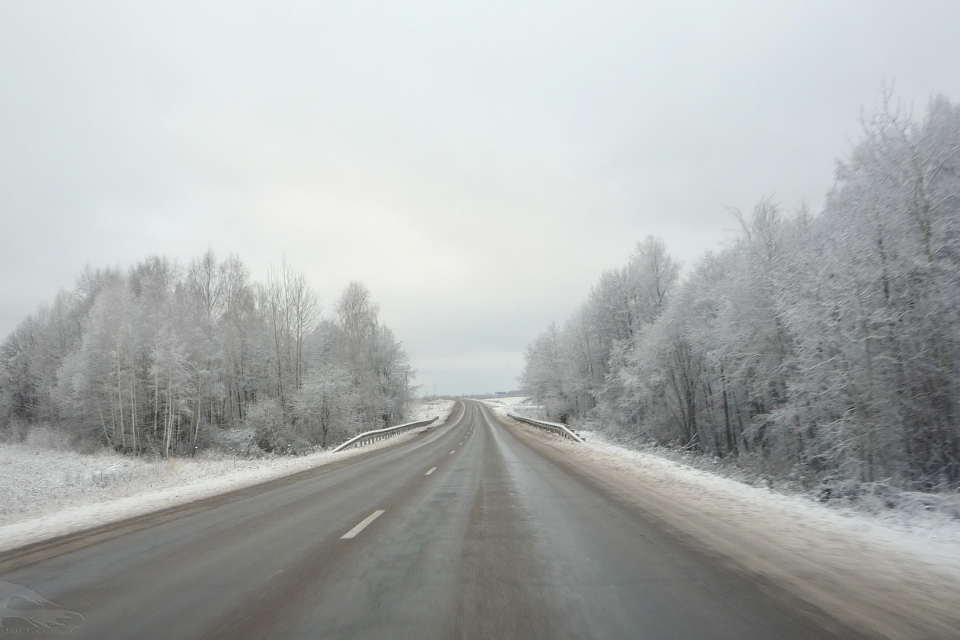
[(827, 345), (161, 358)]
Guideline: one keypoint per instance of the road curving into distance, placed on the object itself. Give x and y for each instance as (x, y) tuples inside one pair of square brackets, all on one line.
[(468, 531)]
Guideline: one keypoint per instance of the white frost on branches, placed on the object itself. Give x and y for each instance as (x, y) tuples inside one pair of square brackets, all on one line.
[(827, 346), (161, 358)]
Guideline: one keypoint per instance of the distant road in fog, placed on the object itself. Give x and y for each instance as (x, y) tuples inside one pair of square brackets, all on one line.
[(471, 531)]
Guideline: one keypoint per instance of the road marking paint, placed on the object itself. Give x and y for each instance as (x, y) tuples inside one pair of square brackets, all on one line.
[(363, 525), (431, 471), (453, 452)]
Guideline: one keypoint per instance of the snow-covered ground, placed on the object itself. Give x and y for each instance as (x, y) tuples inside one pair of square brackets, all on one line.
[(897, 572), (427, 410), (933, 536), (518, 405), (924, 523), (47, 492)]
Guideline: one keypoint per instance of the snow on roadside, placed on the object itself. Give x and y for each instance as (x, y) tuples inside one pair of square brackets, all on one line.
[(46, 493), (894, 577), (517, 405), (934, 538), (429, 409), (933, 535)]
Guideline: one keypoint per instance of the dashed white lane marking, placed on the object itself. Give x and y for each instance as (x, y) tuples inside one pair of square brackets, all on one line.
[(431, 471), (453, 452), (363, 525)]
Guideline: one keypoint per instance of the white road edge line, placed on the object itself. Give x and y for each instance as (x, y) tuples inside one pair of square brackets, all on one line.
[(431, 471), (363, 525)]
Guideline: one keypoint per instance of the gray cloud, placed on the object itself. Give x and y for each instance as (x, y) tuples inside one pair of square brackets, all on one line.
[(477, 165)]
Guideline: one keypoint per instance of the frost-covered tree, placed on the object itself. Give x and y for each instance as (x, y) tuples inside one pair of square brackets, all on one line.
[(546, 375), (372, 356), (828, 345), (157, 358)]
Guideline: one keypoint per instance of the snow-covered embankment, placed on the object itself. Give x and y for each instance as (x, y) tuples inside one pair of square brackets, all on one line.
[(45, 493), (895, 575)]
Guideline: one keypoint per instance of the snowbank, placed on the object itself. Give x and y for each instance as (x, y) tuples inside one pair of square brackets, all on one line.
[(46, 493), (927, 525), (933, 537), (897, 576)]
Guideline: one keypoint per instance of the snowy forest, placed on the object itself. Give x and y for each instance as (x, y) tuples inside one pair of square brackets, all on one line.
[(826, 346), (162, 358)]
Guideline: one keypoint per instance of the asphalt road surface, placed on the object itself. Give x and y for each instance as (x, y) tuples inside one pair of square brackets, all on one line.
[(468, 531)]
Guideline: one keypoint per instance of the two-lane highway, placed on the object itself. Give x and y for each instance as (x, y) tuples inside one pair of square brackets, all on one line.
[(466, 532)]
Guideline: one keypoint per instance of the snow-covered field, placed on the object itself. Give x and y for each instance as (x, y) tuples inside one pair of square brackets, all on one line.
[(427, 410), (518, 405), (899, 568), (48, 492)]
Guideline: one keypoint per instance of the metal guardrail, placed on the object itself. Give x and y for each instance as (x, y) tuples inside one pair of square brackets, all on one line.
[(553, 427), (379, 434)]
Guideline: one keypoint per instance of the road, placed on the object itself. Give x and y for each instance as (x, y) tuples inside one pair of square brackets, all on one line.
[(469, 531)]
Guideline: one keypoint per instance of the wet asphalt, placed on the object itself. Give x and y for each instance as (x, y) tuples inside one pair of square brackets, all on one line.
[(479, 535)]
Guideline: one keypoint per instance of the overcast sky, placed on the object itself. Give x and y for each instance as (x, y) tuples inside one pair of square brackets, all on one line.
[(476, 164)]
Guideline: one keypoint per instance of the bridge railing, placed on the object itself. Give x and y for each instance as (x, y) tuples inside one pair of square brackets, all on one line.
[(376, 435), (553, 427)]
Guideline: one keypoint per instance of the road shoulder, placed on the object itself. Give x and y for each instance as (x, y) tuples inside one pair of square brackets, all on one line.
[(29, 541), (877, 588)]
